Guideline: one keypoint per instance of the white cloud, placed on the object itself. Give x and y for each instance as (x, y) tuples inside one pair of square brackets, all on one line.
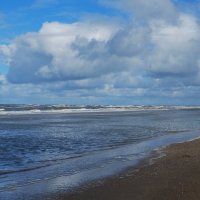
[(144, 9), (86, 50), (103, 58), (176, 46), (49, 54), (2, 79)]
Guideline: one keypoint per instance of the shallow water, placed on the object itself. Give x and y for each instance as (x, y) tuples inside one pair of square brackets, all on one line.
[(44, 152)]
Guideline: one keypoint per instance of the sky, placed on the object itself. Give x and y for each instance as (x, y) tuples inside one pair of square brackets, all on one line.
[(120, 52)]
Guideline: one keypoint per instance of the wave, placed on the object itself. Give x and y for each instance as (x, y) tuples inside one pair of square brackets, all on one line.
[(4, 172), (47, 163), (48, 109)]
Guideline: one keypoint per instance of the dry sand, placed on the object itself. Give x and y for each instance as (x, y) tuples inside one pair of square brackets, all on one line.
[(172, 177)]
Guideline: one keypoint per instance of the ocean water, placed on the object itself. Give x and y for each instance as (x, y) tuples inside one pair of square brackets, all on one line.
[(55, 148)]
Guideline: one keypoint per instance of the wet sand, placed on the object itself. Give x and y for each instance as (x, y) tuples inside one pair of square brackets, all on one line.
[(172, 177)]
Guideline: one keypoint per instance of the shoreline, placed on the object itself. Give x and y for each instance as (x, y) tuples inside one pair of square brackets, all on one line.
[(176, 175), (121, 182)]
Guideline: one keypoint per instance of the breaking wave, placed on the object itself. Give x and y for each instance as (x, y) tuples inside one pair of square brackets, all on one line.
[(48, 109)]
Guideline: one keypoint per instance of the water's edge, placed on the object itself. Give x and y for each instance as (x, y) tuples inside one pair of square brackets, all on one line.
[(150, 159), (146, 151)]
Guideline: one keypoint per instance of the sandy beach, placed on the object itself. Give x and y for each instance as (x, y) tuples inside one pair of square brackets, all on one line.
[(171, 177)]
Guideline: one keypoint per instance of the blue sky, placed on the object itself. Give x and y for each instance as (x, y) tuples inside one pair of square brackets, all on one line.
[(100, 51)]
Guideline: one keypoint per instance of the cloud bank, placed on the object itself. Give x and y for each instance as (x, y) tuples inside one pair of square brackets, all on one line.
[(155, 54)]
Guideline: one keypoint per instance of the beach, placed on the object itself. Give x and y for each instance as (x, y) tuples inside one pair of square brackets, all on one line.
[(99, 100), (176, 175), (98, 155)]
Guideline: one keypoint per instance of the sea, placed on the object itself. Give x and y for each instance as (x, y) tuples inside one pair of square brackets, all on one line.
[(51, 149)]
